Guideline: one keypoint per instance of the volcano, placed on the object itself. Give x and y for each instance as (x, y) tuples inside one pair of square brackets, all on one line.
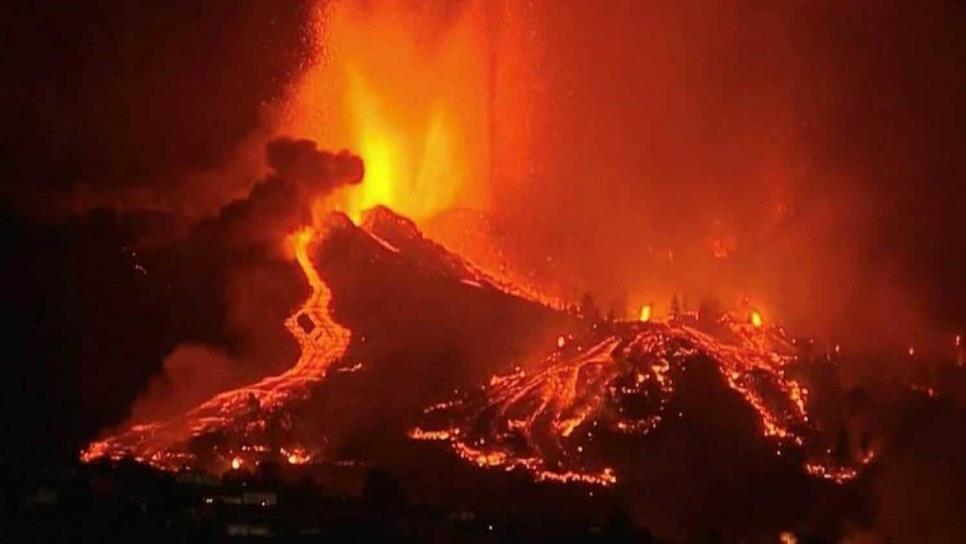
[(352, 323), (395, 323), (416, 361)]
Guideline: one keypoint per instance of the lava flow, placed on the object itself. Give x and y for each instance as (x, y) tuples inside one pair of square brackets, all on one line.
[(620, 380), (243, 412)]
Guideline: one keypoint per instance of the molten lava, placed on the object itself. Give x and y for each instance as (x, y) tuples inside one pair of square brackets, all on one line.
[(242, 413), (755, 319), (645, 313), (406, 87), (619, 382)]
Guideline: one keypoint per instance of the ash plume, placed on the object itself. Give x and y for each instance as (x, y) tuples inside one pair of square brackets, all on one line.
[(300, 175)]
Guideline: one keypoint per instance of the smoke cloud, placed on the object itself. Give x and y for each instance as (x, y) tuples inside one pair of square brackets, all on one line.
[(300, 176), (191, 374)]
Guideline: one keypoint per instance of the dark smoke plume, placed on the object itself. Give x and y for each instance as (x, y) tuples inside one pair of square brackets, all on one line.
[(301, 174)]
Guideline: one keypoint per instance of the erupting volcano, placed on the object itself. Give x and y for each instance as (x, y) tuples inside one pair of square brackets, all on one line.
[(606, 379), (675, 264), (429, 150)]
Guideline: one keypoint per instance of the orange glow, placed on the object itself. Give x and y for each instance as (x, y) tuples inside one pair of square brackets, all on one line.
[(296, 456), (407, 88), (561, 342), (300, 243), (236, 463), (911, 351), (756, 320), (645, 313)]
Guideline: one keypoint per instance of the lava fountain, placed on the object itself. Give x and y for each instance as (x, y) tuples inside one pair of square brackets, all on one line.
[(406, 87)]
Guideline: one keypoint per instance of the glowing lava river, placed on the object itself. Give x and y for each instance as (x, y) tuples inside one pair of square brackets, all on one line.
[(622, 379), (243, 413), (571, 414)]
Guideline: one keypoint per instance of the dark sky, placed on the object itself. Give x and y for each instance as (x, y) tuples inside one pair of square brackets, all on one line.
[(113, 94)]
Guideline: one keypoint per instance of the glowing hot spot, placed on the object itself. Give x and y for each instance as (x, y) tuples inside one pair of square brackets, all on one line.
[(645, 313), (756, 320)]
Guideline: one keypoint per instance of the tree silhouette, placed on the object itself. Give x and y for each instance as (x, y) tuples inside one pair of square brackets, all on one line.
[(588, 308), (675, 306), (842, 452)]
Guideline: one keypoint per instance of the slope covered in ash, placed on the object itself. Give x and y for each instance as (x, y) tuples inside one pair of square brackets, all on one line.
[(425, 322), (409, 299)]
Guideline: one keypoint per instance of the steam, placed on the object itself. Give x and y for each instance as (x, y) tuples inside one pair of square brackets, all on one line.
[(191, 374)]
